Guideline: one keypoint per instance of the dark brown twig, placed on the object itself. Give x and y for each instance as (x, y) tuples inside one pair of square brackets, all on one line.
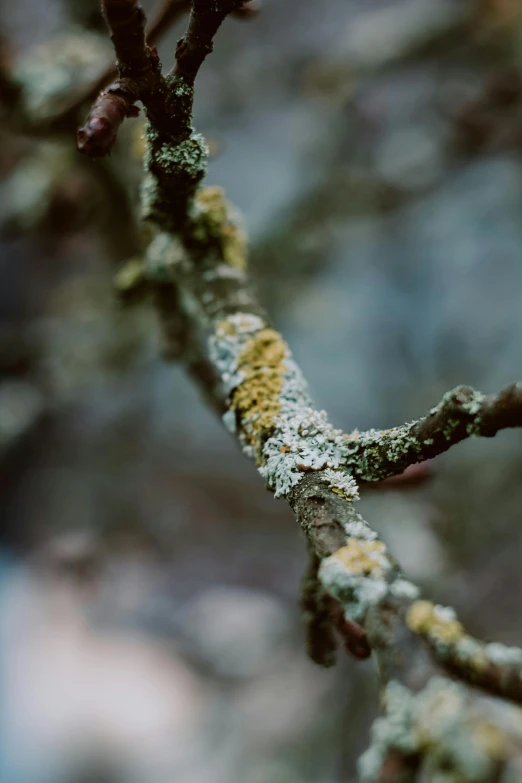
[(168, 103), (205, 20), (167, 15)]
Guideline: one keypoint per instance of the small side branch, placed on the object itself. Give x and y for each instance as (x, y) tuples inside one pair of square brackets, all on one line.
[(126, 21), (491, 666), (140, 79), (462, 413), (205, 20)]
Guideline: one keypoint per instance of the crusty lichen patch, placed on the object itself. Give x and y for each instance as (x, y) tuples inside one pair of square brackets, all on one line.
[(357, 574), (343, 484), (274, 417), (257, 398), (438, 622), (439, 732), (363, 557), (440, 627), (217, 220)]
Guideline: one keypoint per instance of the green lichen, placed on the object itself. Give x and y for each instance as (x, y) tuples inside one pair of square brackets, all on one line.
[(173, 171), (186, 161)]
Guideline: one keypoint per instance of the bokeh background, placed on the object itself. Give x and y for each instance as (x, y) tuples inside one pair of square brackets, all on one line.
[(149, 617)]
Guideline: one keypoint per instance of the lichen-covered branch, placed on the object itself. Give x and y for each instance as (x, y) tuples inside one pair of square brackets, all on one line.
[(432, 728), (493, 666), (462, 413)]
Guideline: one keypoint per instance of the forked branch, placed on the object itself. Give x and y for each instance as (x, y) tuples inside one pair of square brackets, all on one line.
[(433, 727)]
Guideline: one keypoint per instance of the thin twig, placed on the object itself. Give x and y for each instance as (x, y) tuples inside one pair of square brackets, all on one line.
[(168, 14)]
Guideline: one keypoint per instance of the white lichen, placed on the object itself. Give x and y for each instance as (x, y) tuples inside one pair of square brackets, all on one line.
[(163, 254), (502, 655), (342, 483), (402, 588), (227, 344), (436, 728), (303, 438), (357, 590), (224, 272), (358, 528), (445, 614)]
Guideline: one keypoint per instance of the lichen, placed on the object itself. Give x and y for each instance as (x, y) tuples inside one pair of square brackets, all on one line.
[(502, 655), (272, 403), (357, 527), (435, 730), (186, 160), (394, 732), (257, 398), (217, 220), (303, 439), (342, 484), (368, 450), (363, 557), (173, 172), (228, 341), (403, 589), (357, 575), (163, 254), (438, 622), (130, 276), (441, 628)]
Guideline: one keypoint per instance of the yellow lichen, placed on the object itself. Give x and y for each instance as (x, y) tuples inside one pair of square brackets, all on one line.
[(491, 740), (342, 493), (257, 398), (216, 221), (363, 557), (225, 329), (234, 246), (423, 618), (130, 276), (213, 205)]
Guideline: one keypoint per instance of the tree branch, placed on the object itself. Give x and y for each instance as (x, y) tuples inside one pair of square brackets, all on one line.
[(462, 413), (432, 728)]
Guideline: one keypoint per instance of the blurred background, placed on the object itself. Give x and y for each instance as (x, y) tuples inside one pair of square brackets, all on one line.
[(149, 622)]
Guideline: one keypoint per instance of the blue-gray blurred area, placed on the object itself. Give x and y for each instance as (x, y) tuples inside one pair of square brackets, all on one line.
[(149, 611)]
